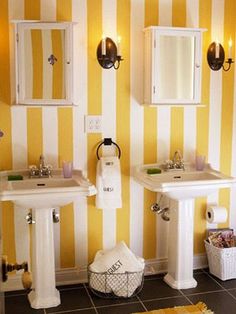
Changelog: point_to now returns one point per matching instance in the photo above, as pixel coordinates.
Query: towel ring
(108, 141)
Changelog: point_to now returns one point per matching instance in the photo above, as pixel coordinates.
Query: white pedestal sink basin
(182, 186)
(42, 195)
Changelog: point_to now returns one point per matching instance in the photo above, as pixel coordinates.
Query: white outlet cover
(93, 124)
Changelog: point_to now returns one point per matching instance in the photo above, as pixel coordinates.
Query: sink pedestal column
(44, 293)
(180, 249)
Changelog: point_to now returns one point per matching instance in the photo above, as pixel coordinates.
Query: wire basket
(118, 285)
(222, 261)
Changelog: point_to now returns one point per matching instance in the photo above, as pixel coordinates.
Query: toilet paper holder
(216, 214)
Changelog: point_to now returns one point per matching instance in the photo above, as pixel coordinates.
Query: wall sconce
(216, 56)
(108, 54)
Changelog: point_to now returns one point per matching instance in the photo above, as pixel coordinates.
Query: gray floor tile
(72, 300)
(165, 303)
(19, 305)
(154, 289)
(204, 283)
(122, 309)
(220, 302)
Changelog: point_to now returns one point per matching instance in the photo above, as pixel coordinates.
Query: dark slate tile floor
(220, 296)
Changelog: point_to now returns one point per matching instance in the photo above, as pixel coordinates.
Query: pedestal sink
(42, 195)
(182, 186)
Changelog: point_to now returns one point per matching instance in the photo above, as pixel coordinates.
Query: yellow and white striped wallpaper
(145, 134)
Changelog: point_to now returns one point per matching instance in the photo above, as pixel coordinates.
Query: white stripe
(163, 140)
(165, 12)
(48, 10)
(217, 27)
(19, 137)
(50, 135)
(79, 9)
(109, 113)
(232, 219)
(192, 16)
(136, 125)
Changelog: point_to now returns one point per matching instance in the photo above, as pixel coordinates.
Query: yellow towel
(199, 308)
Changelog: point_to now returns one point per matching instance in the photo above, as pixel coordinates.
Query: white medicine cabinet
(172, 65)
(43, 63)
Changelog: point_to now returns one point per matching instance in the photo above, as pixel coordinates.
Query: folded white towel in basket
(116, 267)
(120, 259)
(108, 183)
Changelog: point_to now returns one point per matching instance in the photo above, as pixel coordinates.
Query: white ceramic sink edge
(53, 187)
(182, 184)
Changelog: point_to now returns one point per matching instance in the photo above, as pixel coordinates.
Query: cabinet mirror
(43, 63)
(172, 66)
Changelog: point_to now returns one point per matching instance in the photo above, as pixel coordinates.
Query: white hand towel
(108, 183)
(116, 267)
(120, 259)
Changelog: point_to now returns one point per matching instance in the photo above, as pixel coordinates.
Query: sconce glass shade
(215, 63)
(108, 60)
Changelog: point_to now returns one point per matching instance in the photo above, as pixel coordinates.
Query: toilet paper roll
(216, 214)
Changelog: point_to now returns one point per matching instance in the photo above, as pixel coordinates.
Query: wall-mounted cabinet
(43, 63)
(172, 65)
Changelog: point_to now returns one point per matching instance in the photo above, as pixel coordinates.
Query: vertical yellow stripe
(7, 211)
(32, 9)
(58, 70)
(34, 135)
(123, 118)
(151, 12)
(8, 231)
(94, 20)
(205, 9)
(5, 95)
(65, 152)
(64, 10)
(37, 55)
(227, 105)
(179, 13)
(150, 152)
(5, 141)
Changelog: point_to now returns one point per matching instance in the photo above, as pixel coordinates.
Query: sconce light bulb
(217, 49)
(103, 45)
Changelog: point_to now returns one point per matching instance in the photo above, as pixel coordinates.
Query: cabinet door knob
(197, 65)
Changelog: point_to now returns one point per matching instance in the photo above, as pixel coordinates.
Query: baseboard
(76, 275)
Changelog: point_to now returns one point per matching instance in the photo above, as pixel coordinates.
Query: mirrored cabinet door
(43, 63)
(172, 65)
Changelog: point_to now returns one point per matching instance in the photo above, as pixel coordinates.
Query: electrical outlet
(93, 124)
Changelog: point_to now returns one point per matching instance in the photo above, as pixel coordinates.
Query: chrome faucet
(176, 164)
(43, 171)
